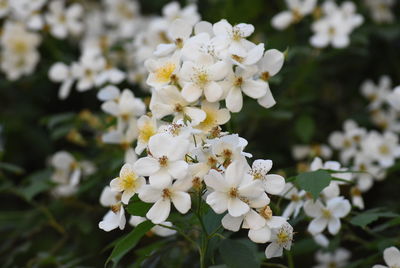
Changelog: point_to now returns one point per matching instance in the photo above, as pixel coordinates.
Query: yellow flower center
(266, 212)
(163, 161)
(383, 149)
(146, 132)
(326, 213)
(265, 76)
(164, 73)
(209, 122)
(128, 181)
(233, 192)
(19, 46)
(282, 237)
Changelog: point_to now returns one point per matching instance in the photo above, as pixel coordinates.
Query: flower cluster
(68, 172)
(333, 24)
(115, 42)
(191, 155)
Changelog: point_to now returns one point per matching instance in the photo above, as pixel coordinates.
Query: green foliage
(305, 128)
(128, 242)
(367, 217)
(314, 181)
(236, 254)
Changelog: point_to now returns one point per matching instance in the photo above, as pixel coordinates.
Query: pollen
(236, 34)
(146, 132)
(266, 212)
(237, 58)
(128, 181)
(20, 47)
(233, 192)
(238, 81)
(166, 193)
(115, 208)
(265, 76)
(164, 73)
(326, 213)
(384, 149)
(163, 161)
(202, 78)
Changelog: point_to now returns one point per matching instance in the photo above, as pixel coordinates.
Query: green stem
(290, 259)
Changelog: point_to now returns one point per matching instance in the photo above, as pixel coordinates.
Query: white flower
(19, 54)
(243, 81)
(229, 148)
(280, 239)
(381, 10)
(339, 258)
(158, 230)
(233, 190)
(179, 32)
(300, 152)
(214, 116)
(173, 11)
(202, 76)
(270, 64)
(272, 183)
(63, 21)
(392, 258)
(263, 235)
(326, 216)
(60, 72)
(234, 37)
(336, 26)
(168, 100)
(394, 98)
(382, 148)
(162, 196)
(163, 71)
(165, 160)
(67, 173)
(128, 183)
(250, 220)
(296, 198)
(348, 141)
(116, 216)
(147, 127)
(123, 105)
(377, 94)
(297, 10)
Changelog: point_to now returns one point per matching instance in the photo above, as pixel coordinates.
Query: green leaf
(369, 216)
(129, 241)
(305, 128)
(237, 255)
(38, 183)
(11, 168)
(314, 182)
(137, 207)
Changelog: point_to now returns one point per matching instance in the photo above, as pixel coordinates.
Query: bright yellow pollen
(282, 237)
(146, 132)
(128, 181)
(202, 78)
(164, 73)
